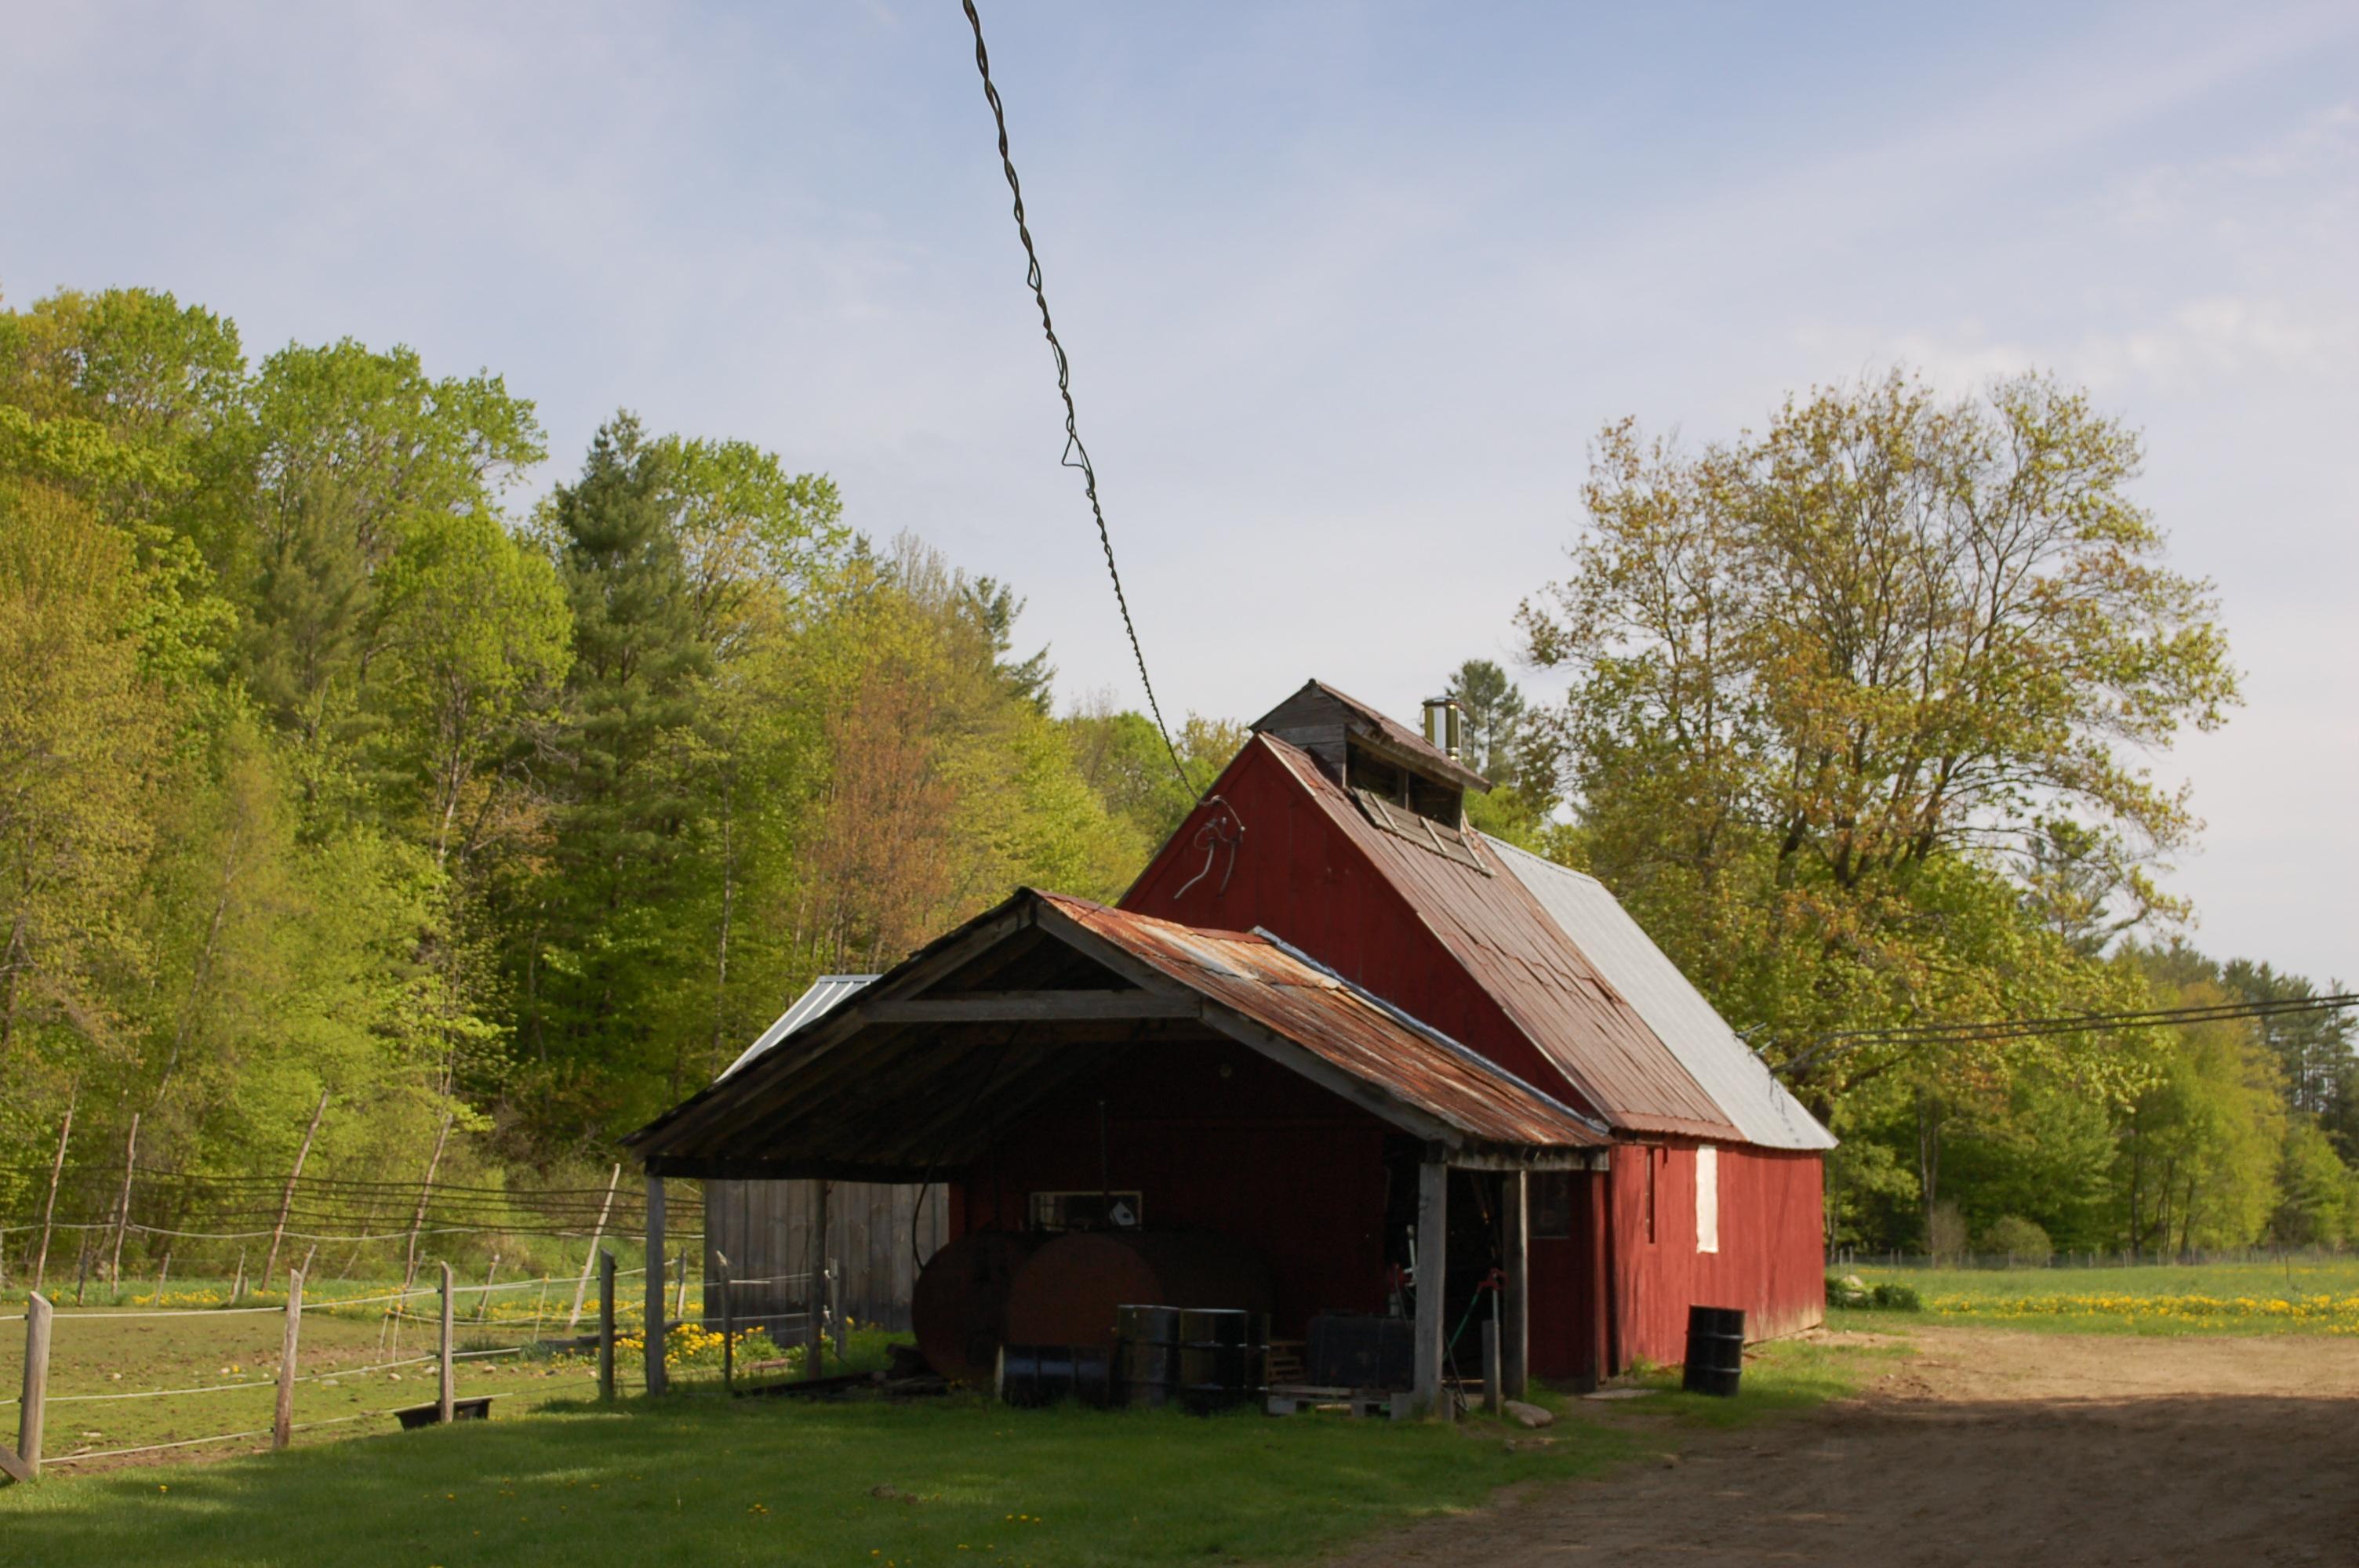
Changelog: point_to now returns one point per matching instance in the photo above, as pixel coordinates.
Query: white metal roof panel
(826, 994)
(1739, 1082)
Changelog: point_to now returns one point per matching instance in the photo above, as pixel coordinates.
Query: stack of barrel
(1103, 1318)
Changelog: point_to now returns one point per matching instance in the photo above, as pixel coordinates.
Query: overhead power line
(1076, 455)
(1836, 1041)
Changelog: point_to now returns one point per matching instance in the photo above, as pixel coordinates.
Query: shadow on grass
(712, 1480)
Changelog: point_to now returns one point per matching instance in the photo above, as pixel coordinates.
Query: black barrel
(1221, 1354)
(1147, 1354)
(1037, 1375)
(1715, 1350)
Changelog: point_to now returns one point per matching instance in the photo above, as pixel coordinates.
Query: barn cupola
(1395, 771)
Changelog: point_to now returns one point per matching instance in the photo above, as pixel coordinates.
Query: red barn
(1335, 1025)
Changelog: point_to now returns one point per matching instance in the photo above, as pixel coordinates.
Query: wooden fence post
(654, 1358)
(123, 1207)
(442, 1394)
(25, 1465)
(49, 1211)
(287, 1198)
(835, 1307)
(591, 1257)
(237, 1285)
(605, 1326)
(728, 1325)
(282, 1421)
(484, 1302)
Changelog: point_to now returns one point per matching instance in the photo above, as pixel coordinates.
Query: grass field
(700, 1477)
(2317, 1296)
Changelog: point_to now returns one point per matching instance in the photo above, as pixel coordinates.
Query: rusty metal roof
(1493, 926)
(909, 1075)
(1290, 993)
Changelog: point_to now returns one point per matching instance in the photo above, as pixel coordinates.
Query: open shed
(1223, 1082)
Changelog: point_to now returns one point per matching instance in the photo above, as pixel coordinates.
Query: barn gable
(1427, 920)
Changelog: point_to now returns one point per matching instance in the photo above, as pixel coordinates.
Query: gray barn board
(764, 1229)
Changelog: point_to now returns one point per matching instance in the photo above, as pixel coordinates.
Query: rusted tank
(1068, 1291)
(959, 1307)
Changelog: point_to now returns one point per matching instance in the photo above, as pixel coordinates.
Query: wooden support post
(728, 1320)
(1515, 1309)
(286, 1197)
(836, 1306)
(49, 1210)
(1491, 1366)
(1433, 1269)
(657, 1379)
(123, 1206)
(484, 1302)
(282, 1423)
(25, 1465)
(606, 1326)
(815, 1287)
(680, 1291)
(589, 1258)
(444, 1391)
(163, 1274)
(237, 1284)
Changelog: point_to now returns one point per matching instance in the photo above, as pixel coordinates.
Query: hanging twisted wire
(1076, 455)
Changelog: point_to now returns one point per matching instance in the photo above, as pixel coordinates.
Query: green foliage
(2017, 1239)
(321, 772)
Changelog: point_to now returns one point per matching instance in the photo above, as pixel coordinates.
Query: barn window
(1707, 1199)
(1551, 1201)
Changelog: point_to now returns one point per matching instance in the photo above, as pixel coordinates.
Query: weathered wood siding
(764, 1231)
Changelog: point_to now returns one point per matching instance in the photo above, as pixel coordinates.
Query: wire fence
(114, 1227)
(528, 1321)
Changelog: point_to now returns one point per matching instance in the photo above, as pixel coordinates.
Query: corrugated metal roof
(826, 993)
(874, 1100)
(1290, 994)
(1595, 922)
(1497, 930)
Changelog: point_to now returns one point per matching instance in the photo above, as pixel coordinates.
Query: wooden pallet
(1290, 1399)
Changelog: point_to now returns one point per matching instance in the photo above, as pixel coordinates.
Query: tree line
(330, 766)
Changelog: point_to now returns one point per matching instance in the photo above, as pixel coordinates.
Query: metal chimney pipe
(1442, 720)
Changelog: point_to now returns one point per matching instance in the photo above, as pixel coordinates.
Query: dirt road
(1987, 1446)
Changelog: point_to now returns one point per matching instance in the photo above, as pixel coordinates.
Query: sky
(1347, 287)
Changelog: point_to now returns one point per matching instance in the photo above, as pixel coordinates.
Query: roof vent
(1442, 720)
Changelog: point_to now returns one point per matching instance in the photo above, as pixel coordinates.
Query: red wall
(1771, 1260)
(1260, 1154)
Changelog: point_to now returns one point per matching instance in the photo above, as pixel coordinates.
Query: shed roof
(824, 995)
(908, 1076)
(1738, 1080)
(1498, 931)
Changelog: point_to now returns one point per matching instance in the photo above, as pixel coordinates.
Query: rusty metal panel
(1597, 924)
(1499, 933)
(1342, 1024)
